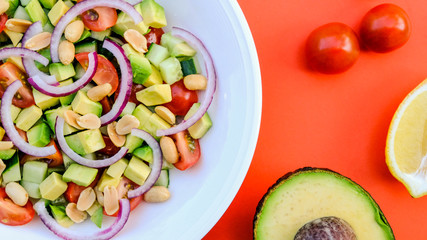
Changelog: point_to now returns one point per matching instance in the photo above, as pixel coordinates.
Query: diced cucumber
(130, 106)
(188, 67)
(86, 33)
(21, 13)
(12, 173)
(23, 3)
(67, 160)
(100, 36)
(32, 189)
(163, 179)
(156, 54)
(34, 171)
(170, 69)
(87, 47)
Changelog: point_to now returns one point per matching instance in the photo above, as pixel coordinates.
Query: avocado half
(311, 193)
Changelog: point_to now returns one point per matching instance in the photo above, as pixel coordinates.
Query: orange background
(334, 121)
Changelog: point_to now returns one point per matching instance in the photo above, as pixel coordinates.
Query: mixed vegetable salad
(98, 103)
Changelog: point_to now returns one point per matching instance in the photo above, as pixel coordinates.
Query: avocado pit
(326, 228)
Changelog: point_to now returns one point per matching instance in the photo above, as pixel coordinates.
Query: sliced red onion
(81, 7)
(59, 129)
(59, 91)
(125, 82)
(210, 88)
(9, 127)
(24, 53)
(68, 234)
(29, 65)
(156, 166)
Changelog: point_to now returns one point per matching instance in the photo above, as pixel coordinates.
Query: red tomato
(99, 19)
(110, 149)
(122, 189)
(12, 214)
(106, 105)
(332, 48)
(53, 160)
(154, 36)
(384, 28)
(188, 149)
(132, 98)
(182, 99)
(105, 73)
(3, 19)
(8, 74)
(73, 190)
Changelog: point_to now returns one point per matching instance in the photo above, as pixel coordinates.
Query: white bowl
(200, 195)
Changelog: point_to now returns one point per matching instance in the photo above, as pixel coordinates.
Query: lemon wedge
(406, 146)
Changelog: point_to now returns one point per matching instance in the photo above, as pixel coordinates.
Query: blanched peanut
(2, 166)
(74, 31)
(74, 214)
(157, 194)
(165, 114)
(38, 41)
(136, 40)
(4, 145)
(89, 121)
(99, 196)
(170, 153)
(97, 93)
(118, 140)
(17, 25)
(66, 51)
(4, 6)
(70, 117)
(17, 193)
(126, 123)
(86, 199)
(195, 82)
(111, 200)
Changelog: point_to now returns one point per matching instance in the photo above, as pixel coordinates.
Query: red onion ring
(59, 129)
(59, 91)
(67, 234)
(156, 166)
(210, 88)
(30, 66)
(125, 84)
(24, 53)
(9, 127)
(81, 7)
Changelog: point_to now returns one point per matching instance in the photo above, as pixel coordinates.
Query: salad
(98, 104)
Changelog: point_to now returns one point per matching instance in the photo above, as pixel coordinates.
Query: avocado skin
(282, 179)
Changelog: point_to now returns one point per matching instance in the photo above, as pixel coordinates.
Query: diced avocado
(33, 189)
(74, 143)
(48, 27)
(17, 61)
(107, 180)
(2, 132)
(189, 66)
(141, 68)
(58, 212)
(20, 13)
(97, 216)
(311, 193)
(48, 3)
(44, 101)
(170, 69)
(200, 128)
(125, 22)
(142, 113)
(7, 154)
(34, 171)
(24, 3)
(82, 104)
(176, 46)
(61, 71)
(80, 175)
(163, 179)
(12, 173)
(15, 37)
(52, 187)
(132, 142)
(137, 171)
(67, 160)
(28, 117)
(36, 13)
(155, 95)
(129, 50)
(116, 170)
(39, 135)
(129, 108)
(153, 14)
(100, 36)
(157, 54)
(13, 4)
(58, 10)
(145, 153)
(51, 119)
(14, 112)
(154, 78)
(154, 123)
(91, 140)
(69, 98)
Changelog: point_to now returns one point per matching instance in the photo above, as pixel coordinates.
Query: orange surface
(334, 121)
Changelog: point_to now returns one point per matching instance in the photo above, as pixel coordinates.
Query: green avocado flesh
(307, 194)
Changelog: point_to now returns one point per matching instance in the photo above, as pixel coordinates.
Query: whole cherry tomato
(332, 48)
(182, 99)
(384, 28)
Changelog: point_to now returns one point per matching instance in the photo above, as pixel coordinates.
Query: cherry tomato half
(154, 36)
(53, 160)
(8, 74)
(99, 19)
(73, 191)
(182, 99)
(12, 214)
(188, 149)
(332, 48)
(384, 28)
(105, 73)
(3, 19)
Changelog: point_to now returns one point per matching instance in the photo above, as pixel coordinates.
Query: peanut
(86, 199)
(17, 193)
(38, 41)
(17, 25)
(4, 6)
(4, 145)
(111, 200)
(118, 140)
(2, 166)
(195, 82)
(66, 51)
(165, 114)
(70, 117)
(126, 123)
(99, 196)
(89, 121)
(136, 40)
(74, 214)
(74, 31)
(97, 93)
(170, 153)
(157, 194)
